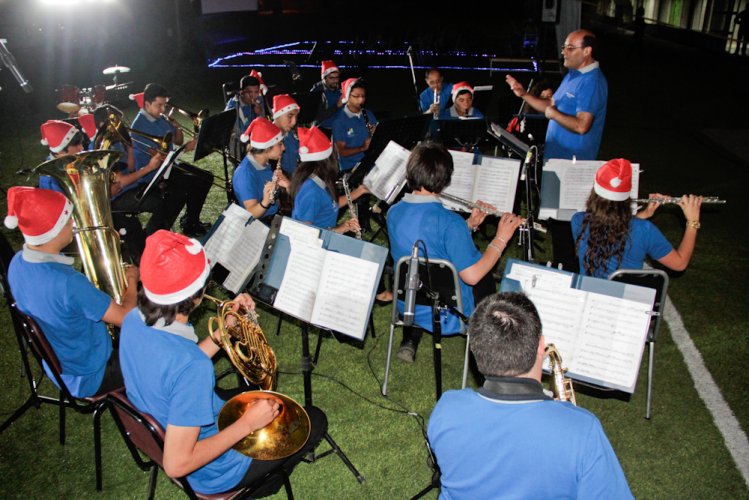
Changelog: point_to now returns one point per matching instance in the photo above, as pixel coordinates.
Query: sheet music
(461, 184)
(611, 341)
(299, 231)
(561, 313)
(496, 181)
(298, 291)
(171, 157)
(388, 172)
(534, 276)
(577, 179)
(347, 286)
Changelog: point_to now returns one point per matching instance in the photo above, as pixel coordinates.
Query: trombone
(197, 119)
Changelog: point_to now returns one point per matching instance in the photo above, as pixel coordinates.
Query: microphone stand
(409, 53)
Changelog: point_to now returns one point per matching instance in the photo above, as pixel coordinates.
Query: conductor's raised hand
(260, 412)
(507, 226)
(516, 87)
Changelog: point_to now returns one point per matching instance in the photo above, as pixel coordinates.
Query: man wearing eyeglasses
(577, 111)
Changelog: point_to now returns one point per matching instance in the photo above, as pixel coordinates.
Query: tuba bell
(561, 386)
(85, 178)
(249, 352)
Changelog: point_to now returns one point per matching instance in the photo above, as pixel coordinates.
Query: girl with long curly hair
(608, 237)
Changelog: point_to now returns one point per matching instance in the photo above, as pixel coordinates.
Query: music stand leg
(307, 371)
(229, 189)
(437, 350)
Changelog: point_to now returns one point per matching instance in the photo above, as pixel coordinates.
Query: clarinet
(351, 206)
(370, 127)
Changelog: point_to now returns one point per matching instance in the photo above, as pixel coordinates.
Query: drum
(100, 95)
(69, 99)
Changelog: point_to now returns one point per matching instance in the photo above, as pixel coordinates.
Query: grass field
(659, 102)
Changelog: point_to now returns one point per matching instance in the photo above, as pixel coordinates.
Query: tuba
(249, 352)
(561, 386)
(85, 178)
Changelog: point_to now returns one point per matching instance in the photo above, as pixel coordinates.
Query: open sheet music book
(569, 185)
(236, 244)
(388, 176)
(598, 326)
(493, 181)
(327, 288)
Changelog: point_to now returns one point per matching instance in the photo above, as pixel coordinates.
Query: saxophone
(561, 386)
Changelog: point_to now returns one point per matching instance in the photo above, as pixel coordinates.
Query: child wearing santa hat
(169, 374)
(285, 113)
(248, 102)
(70, 310)
(330, 89)
(353, 125)
(608, 217)
(462, 108)
(61, 138)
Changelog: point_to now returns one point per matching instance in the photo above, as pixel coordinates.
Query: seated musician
(434, 80)
(169, 374)
(285, 112)
(249, 105)
(353, 125)
(608, 237)
(255, 181)
(329, 86)
(62, 138)
(421, 216)
(313, 188)
(70, 310)
(462, 108)
(508, 438)
(187, 186)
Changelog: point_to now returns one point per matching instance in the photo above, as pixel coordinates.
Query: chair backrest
(649, 278)
(40, 346)
(228, 89)
(140, 430)
(440, 273)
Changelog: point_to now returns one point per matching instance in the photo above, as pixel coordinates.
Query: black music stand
(166, 166)
(482, 98)
(310, 106)
(465, 134)
(214, 137)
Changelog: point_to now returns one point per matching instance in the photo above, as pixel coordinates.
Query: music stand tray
(310, 104)
(454, 133)
(214, 133)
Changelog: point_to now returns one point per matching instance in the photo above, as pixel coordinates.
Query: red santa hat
(262, 134)
(314, 145)
(614, 180)
(282, 104)
(346, 89)
(138, 98)
(40, 214)
(57, 134)
(259, 76)
(327, 68)
(88, 123)
(460, 87)
(173, 267)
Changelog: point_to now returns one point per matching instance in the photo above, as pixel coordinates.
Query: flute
(706, 200)
(470, 204)
(436, 102)
(350, 203)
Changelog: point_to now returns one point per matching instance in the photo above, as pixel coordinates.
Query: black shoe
(407, 352)
(195, 230)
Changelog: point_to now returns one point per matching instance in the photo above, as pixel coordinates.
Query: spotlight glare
(65, 3)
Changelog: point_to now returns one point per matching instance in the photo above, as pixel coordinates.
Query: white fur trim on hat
(41, 239)
(185, 293)
(317, 156)
(611, 195)
(289, 107)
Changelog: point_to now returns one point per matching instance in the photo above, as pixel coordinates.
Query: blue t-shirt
(170, 378)
(290, 157)
(147, 124)
(426, 98)
(489, 448)
(644, 240)
(580, 91)
(314, 204)
(451, 114)
(245, 113)
(351, 129)
(249, 180)
(69, 310)
(446, 235)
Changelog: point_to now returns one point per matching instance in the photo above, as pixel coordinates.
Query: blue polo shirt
(426, 98)
(644, 240)
(168, 376)
(580, 91)
(351, 128)
(493, 448)
(290, 157)
(69, 310)
(245, 113)
(147, 124)
(446, 235)
(249, 180)
(313, 204)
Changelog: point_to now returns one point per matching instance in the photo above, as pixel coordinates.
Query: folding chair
(229, 90)
(657, 280)
(143, 434)
(444, 279)
(42, 351)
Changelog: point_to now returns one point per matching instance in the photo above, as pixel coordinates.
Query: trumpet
(706, 200)
(350, 203)
(470, 204)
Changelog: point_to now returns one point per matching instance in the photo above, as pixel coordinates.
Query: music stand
(482, 97)
(165, 167)
(464, 133)
(214, 137)
(310, 104)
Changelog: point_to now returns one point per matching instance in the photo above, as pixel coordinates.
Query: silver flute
(350, 203)
(470, 204)
(706, 200)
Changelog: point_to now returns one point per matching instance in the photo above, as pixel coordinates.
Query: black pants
(191, 184)
(113, 375)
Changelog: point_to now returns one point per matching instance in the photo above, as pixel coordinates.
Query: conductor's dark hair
(430, 167)
(433, 69)
(153, 312)
(505, 330)
(154, 90)
(591, 41)
(248, 81)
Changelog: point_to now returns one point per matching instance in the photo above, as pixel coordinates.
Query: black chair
(657, 280)
(143, 434)
(444, 279)
(229, 90)
(34, 338)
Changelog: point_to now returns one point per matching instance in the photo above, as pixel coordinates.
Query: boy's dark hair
(429, 166)
(154, 312)
(154, 90)
(248, 81)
